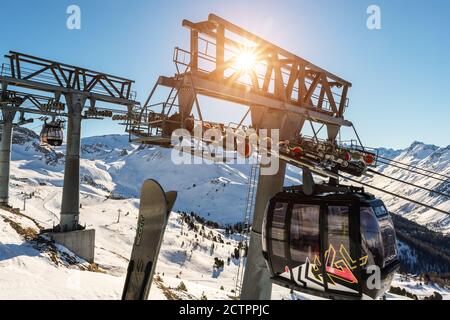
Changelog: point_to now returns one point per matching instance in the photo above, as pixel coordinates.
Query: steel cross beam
(25, 102)
(31, 72)
(215, 49)
(241, 95)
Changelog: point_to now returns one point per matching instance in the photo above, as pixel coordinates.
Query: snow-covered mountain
(112, 171)
(424, 156)
(110, 165)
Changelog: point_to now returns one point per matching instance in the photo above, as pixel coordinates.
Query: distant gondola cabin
(52, 134)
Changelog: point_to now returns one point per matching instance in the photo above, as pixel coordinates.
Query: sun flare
(246, 60)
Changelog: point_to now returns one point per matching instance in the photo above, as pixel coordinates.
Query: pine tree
(182, 287)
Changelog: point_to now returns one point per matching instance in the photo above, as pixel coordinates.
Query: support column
(5, 154)
(257, 284)
(80, 242)
(70, 206)
(186, 101)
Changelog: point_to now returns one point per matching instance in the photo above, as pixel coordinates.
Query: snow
(415, 286)
(112, 166)
(27, 273)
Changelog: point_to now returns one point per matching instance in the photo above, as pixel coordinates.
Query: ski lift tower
(77, 86)
(281, 90)
(13, 103)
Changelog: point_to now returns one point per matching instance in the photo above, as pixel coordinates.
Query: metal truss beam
(216, 45)
(26, 102)
(35, 73)
(242, 96)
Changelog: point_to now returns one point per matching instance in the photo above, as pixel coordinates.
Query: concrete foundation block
(81, 242)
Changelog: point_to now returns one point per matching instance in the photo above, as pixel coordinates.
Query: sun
(245, 60)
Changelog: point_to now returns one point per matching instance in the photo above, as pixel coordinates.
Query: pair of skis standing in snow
(155, 207)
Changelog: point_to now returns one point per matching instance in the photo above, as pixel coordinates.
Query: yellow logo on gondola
(341, 269)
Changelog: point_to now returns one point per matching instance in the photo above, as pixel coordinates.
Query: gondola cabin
(52, 134)
(334, 245)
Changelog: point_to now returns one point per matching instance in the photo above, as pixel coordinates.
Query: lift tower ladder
(248, 214)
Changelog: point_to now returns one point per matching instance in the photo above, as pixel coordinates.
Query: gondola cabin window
(278, 230)
(305, 233)
(371, 236)
(381, 211)
(338, 227)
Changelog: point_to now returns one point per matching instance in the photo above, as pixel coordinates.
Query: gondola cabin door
(341, 247)
(314, 244)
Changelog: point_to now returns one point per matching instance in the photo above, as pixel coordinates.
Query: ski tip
(151, 188)
(151, 183)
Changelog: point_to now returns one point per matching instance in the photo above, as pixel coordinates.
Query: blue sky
(400, 74)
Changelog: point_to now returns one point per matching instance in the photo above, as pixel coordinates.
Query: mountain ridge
(110, 165)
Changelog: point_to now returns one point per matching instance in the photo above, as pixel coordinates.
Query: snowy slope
(31, 270)
(112, 172)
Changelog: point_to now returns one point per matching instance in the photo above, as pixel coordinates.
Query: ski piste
(155, 207)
